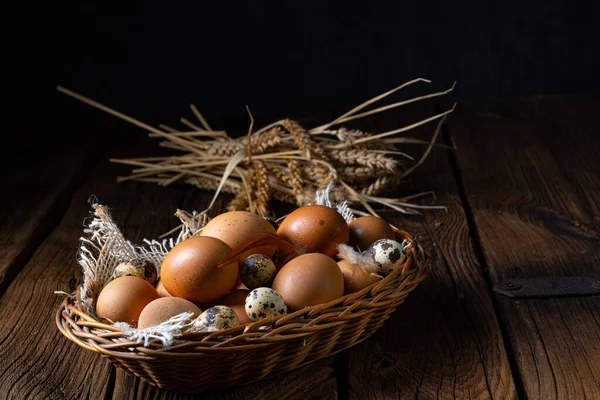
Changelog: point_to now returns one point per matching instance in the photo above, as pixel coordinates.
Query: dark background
(284, 57)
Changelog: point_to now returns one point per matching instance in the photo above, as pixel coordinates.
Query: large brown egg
(317, 229)
(165, 308)
(123, 299)
(190, 270)
(308, 280)
(237, 228)
(236, 301)
(355, 277)
(364, 231)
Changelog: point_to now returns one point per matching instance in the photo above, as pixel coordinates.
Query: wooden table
(522, 194)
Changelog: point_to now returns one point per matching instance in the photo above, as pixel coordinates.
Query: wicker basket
(247, 353)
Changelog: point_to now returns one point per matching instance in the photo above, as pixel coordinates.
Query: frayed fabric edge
(166, 333)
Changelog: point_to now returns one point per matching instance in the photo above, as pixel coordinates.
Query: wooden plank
(37, 187)
(576, 148)
(556, 345)
(528, 172)
(445, 341)
(517, 189)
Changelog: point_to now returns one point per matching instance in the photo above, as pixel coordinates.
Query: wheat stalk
(262, 188)
(284, 160)
(365, 158)
(303, 140)
(379, 185)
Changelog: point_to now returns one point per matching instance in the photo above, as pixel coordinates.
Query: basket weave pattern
(207, 360)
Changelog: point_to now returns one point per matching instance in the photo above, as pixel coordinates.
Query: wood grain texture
(529, 172)
(556, 345)
(445, 341)
(576, 147)
(519, 193)
(36, 190)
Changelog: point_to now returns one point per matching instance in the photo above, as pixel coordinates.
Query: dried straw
(284, 160)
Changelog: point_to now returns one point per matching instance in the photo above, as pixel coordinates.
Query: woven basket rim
(87, 332)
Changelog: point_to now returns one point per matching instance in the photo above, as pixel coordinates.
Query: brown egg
(364, 231)
(165, 308)
(355, 277)
(237, 228)
(308, 280)
(123, 299)
(160, 289)
(190, 270)
(236, 301)
(317, 229)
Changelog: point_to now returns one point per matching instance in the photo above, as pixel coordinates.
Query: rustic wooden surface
(521, 192)
(530, 174)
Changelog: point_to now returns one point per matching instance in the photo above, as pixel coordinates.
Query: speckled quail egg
(136, 267)
(264, 302)
(389, 254)
(215, 319)
(258, 270)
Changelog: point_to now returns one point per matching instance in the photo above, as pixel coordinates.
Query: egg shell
(160, 289)
(389, 254)
(190, 270)
(123, 299)
(355, 277)
(236, 300)
(238, 228)
(308, 280)
(257, 270)
(164, 308)
(316, 229)
(264, 302)
(216, 318)
(136, 267)
(364, 231)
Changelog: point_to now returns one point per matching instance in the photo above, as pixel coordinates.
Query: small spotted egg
(215, 319)
(258, 270)
(136, 267)
(264, 302)
(388, 254)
